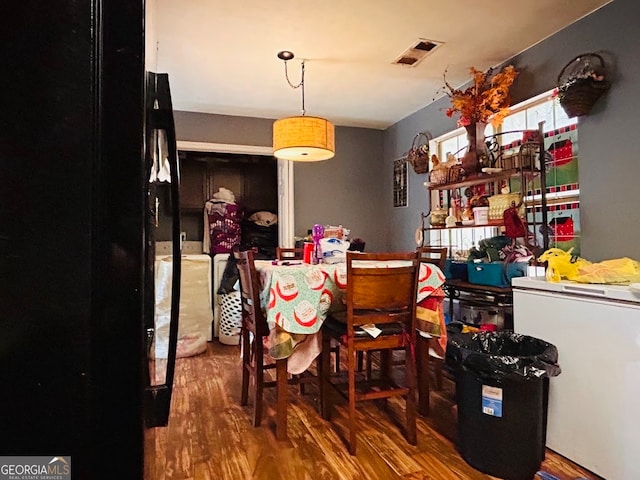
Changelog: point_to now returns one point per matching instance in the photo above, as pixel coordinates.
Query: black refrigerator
(76, 235)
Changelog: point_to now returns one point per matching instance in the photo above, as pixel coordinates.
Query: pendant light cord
(301, 84)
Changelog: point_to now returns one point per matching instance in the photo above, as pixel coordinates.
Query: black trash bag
(264, 238)
(229, 277)
(502, 355)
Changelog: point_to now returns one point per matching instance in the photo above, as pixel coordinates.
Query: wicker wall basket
(581, 83)
(418, 154)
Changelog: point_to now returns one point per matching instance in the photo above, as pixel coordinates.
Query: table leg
(324, 374)
(281, 399)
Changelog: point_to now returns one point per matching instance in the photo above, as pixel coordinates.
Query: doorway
(284, 178)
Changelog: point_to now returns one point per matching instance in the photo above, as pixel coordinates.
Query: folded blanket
(430, 317)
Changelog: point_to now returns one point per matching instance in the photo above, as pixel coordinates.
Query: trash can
(502, 388)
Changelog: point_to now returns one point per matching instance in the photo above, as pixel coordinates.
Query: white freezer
(219, 264)
(594, 404)
(196, 313)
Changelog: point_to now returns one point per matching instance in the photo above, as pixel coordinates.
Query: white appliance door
(593, 404)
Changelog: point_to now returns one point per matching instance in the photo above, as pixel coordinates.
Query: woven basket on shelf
(500, 202)
(581, 83)
(418, 154)
(455, 173)
(439, 172)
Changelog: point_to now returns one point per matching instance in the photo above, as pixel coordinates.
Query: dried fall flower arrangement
(488, 97)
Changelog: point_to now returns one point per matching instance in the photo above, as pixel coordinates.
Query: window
(562, 188)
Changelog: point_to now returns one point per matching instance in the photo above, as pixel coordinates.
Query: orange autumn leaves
(487, 99)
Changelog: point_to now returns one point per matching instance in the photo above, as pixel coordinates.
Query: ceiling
(221, 55)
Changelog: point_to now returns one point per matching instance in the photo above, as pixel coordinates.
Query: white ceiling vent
(416, 53)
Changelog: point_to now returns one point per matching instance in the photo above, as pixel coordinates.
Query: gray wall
(203, 127)
(609, 143)
(350, 189)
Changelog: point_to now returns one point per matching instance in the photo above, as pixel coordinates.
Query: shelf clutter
(495, 197)
(482, 219)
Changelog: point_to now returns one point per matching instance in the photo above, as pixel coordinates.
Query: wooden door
(192, 178)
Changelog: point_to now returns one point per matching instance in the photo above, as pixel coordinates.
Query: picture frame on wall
(400, 183)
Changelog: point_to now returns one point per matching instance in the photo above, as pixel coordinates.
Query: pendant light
(302, 138)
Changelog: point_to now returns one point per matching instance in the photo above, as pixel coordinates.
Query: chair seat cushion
(337, 327)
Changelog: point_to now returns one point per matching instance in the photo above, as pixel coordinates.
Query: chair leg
(369, 363)
(360, 361)
(385, 367)
(302, 386)
(422, 364)
(281, 399)
(246, 362)
(410, 367)
(352, 400)
(386, 364)
(319, 378)
(336, 350)
(437, 370)
(258, 362)
(324, 374)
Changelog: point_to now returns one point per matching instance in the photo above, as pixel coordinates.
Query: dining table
(297, 297)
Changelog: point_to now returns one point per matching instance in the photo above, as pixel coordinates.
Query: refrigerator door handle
(158, 397)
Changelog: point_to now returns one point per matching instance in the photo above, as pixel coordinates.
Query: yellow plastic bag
(618, 270)
(562, 265)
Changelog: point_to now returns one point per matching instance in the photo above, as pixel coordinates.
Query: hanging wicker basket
(581, 83)
(418, 154)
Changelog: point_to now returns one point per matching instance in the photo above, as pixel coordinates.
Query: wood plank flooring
(210, 436)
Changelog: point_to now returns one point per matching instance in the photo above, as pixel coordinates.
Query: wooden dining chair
(283, 253)
(386, 298)
(435, 255)
(254, 324)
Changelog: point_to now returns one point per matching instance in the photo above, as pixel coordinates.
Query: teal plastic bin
(454, 270)
(495, 274)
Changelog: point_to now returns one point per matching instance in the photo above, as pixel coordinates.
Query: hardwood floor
(210, 436)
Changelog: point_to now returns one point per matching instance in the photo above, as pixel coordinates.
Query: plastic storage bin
(455, 270)
(502, 388)
(495, 274)
(479, 314)
(481, 215)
